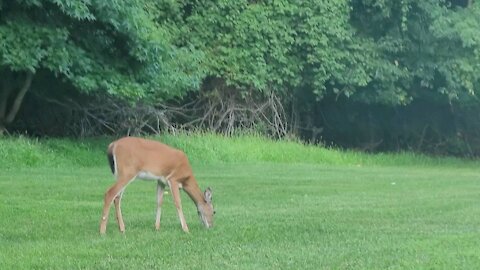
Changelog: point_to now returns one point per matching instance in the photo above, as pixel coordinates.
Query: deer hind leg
(118, 211)
(113, 193)
(178, 204)
(160, 189)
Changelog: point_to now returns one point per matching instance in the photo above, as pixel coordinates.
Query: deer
(133, 158)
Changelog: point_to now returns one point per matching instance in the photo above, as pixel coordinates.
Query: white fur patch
(146, 175)
(115, 168)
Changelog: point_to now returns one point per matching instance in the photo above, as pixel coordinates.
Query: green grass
(208, 148)
(340, 210)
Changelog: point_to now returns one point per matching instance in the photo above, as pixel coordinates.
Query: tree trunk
(19, 98)
(8, 113)
(3, 130)
(4, 94)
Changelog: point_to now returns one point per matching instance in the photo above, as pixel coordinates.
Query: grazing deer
(132, 158)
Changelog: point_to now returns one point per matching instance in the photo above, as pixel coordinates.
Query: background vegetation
(365, 74)
(207, 149)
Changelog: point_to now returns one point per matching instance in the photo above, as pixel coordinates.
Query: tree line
(368, 74)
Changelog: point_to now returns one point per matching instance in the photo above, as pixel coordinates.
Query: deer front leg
(160, 189)
(178, 204)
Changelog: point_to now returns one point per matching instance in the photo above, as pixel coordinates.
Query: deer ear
(208, 195)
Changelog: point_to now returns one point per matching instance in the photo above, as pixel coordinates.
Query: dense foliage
(93, 47)
(370, 74)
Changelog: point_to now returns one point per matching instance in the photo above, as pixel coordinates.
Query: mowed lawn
(269, 216)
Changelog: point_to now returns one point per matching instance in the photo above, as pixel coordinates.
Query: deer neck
(194, 192)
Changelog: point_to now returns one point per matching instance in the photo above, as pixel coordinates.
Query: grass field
(270, 215)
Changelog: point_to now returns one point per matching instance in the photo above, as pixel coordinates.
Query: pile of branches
(225, 112)
(229, 112)
(105, 116)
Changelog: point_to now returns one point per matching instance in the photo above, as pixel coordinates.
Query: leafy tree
(434, 43)
(95, 46)
(299, 50)
(347, 68)
(434, 47)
